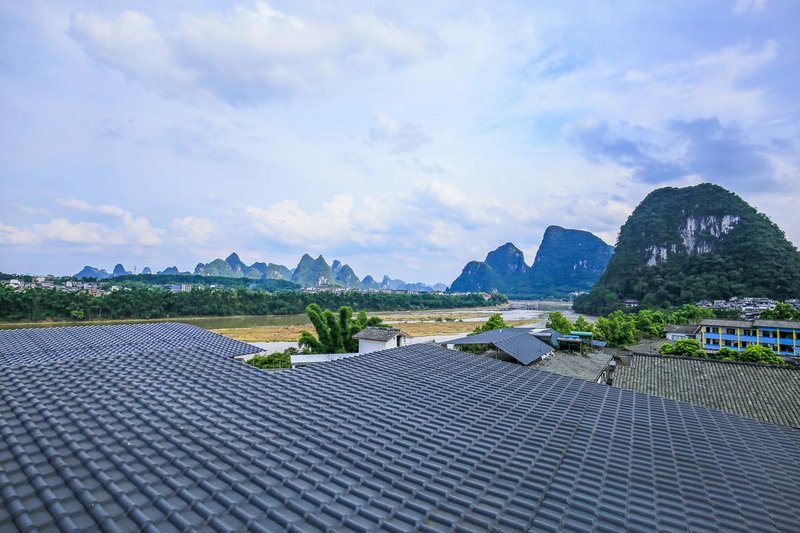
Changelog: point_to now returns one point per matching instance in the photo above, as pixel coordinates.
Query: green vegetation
(751, 256)
(274, 360)
(149, 280)
(334, 333)
(759, 354)
(752, 354)
(686, 348)
(495, 322)
(623, 329)
(145, 302)
(560, 323)
(782, 311)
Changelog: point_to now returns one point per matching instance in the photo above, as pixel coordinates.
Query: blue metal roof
(414, 438)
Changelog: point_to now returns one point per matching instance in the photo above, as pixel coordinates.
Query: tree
(618, 328)
(559, 322)
(495, 322)
(334, 333)
(782, 311)
(759, 354)
(684, 347)
(581, 324)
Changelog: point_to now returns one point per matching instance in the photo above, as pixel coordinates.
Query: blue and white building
(781, 336)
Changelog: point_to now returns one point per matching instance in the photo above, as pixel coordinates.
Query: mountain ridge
(567, 261)
(309, 272)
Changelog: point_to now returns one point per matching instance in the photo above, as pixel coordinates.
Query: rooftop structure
(519, 343)
(588, 366)
(373, 339)
(415, 438)
(761, 392)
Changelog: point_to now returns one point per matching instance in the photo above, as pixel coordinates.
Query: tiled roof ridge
(722, 361)
(56, 325)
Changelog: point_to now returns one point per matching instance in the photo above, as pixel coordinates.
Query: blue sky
(404, 138)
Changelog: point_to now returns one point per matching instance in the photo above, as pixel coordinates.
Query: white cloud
(246, 54)
(132, 229)
(12, 235)
(743, 6)
(194, 230)
(400, 137)
(286, 222)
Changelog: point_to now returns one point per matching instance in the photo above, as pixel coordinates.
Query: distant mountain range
(567, 261)
(309, 272)
(688, 244)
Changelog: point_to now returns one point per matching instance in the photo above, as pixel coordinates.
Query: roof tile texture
(762, 392)
(414, 438)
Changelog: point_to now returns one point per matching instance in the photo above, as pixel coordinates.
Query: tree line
(37, 304)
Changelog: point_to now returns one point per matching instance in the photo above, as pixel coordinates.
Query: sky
(403, 138)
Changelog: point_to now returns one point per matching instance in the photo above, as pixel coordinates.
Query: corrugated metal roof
(414, 438)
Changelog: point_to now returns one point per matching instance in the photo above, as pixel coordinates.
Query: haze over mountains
(679, 245)
(309, 272)
(567, 261)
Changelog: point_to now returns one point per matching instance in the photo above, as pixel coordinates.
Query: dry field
(290, 333)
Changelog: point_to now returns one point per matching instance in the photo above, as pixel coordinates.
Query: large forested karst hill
(683, 245)
(568, 260)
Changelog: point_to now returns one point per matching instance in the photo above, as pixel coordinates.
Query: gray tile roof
(414, 438)
(761, 392)
(519, 343)
(714, 322)
(39, 345)
(791, 324)
(587, 366)
(378, 334)
(682, 329)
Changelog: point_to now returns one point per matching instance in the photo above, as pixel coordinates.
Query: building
(372, 339)
(770, 393)
(416, 438)
(781, 336)
(676, 332)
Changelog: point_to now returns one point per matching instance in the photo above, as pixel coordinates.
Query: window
(730, 331)
(744, 344)
(729, 343)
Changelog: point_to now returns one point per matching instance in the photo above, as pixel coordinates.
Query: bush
(684, 347)
(273, 360)
(759, 354)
